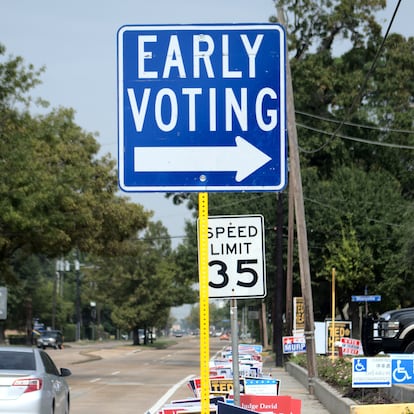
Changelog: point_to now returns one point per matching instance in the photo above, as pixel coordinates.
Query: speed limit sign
(236, 257)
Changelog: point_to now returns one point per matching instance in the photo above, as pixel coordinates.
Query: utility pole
(289, 271)
(296, 182)
(78, 298)
(278, 313)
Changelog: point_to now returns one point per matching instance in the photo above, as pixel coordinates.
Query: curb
(331, 399)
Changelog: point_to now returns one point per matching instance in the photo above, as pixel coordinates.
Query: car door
(58, 384)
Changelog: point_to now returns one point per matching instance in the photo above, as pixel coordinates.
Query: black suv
(391, 332)
(52, 339)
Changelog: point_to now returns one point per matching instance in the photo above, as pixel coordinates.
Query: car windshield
(15, 360)
(50, 334)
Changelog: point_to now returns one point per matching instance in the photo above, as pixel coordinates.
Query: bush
(69, 332)
(17, 339)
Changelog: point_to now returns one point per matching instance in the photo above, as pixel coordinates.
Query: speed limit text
(220, 244)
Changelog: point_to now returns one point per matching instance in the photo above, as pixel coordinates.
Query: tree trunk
(135, 336)
(2, 335)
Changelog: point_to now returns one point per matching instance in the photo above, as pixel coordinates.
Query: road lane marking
(157, 406)
(95, 380)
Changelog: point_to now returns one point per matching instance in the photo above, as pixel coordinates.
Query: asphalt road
(116, 377)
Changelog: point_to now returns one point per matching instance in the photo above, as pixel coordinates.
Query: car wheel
(409, 349)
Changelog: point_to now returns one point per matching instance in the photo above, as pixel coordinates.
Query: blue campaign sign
(202, 108)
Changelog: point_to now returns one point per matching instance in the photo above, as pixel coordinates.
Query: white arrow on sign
(244, 158)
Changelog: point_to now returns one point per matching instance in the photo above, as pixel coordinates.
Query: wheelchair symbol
(360, 366)
(400, 374)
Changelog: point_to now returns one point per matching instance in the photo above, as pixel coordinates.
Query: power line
(365, 141)
(325, 205)
(360, 94)
(353, 124)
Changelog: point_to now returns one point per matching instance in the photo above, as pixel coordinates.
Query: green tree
(141, 284)
(354, 98)
(55, 193)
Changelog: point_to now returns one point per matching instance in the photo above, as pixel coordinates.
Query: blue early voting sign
(202, 108)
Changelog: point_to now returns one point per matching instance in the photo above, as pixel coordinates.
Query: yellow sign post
(204, 310)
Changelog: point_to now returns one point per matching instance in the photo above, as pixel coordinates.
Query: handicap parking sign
(359, 365)
(371, 372)
(403, 369)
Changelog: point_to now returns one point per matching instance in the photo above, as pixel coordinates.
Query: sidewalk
(290, 386)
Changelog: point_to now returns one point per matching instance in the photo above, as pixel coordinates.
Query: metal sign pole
(235, 352)
(204, 311)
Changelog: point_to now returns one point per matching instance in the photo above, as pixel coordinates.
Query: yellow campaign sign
(223, 386)
(298, 314)
(343, 329)
(382, 408)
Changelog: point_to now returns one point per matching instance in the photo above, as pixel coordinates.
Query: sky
(76, 42)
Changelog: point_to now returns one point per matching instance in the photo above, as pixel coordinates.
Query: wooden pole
(296, 182)
(333, 315)
(278, 321)
(289, 271)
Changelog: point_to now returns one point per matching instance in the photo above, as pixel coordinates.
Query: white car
(30, 382)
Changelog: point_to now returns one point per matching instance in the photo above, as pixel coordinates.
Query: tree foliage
(56, 196)
(141, 284)
(354, 97)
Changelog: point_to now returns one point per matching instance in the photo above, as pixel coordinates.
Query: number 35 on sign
(236, 257)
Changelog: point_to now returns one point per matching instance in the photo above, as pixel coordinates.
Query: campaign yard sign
(283, 404)
(350, 346)
(292, 344)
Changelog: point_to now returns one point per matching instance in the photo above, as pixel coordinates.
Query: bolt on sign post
(202, 108)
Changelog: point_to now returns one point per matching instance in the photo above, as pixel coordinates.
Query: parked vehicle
(151, 336)
(390, 332)
(52, 339)
(30, 382)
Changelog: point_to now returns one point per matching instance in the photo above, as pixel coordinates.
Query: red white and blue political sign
(293, 344)
(202, 108)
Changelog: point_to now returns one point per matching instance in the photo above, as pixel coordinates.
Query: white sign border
(263, 262)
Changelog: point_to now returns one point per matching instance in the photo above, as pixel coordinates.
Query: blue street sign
(202, 108)
(366, 298)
